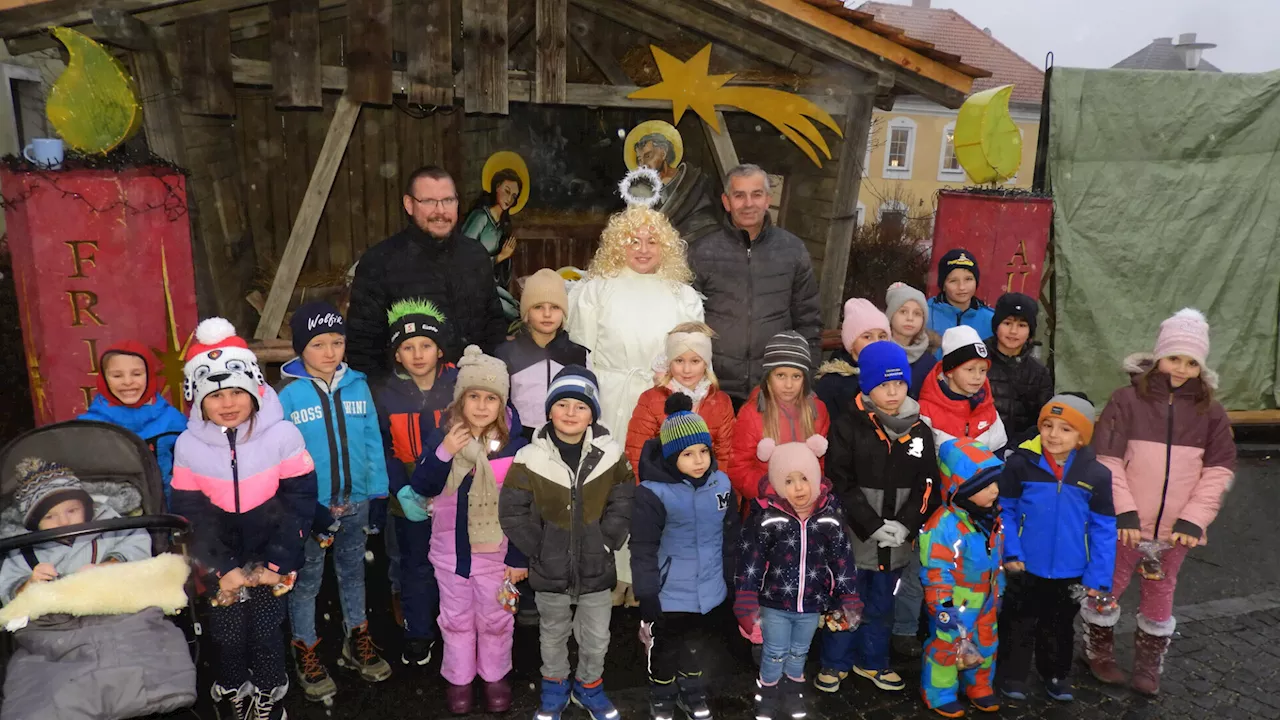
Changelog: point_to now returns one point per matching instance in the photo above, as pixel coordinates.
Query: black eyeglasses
(433, 203)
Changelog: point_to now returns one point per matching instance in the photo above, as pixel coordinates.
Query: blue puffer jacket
(681, 534)
(943, 316)
(340, 426)
(158, 423)
(1060, 529)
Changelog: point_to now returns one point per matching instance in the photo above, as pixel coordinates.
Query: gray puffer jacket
(753, 291)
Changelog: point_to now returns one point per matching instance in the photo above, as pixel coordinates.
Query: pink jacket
(1171, 463)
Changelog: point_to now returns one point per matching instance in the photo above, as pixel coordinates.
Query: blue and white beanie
(579, 383)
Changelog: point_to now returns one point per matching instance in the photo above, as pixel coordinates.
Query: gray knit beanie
(788, 349)
(42, 484)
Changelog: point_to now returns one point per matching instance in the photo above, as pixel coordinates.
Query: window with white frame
(862, 213)
(899, 148)
(949, 169)
(866, 160)
(892, 207)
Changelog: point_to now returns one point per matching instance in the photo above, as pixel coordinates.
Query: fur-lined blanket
(113, 589)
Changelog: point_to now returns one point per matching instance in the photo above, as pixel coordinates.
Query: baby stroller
(112, 661)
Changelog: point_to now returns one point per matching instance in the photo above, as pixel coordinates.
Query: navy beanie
(957, 259)
(1015, 305)
(881, 362)
(315, 318)
(579, 383)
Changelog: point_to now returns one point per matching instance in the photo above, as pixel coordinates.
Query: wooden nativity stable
(298, 120)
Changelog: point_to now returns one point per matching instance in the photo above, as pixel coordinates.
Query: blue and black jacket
(1060, 528)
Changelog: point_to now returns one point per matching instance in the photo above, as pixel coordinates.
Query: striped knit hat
(579, 383)
(42, 484)
(788, 349)
(683, 427)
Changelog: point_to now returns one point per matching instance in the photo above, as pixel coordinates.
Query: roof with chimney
(1163, 54)
(950, 32)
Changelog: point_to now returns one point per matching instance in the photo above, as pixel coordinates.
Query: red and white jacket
(952, 418)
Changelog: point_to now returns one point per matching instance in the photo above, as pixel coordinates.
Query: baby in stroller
(88, 612)
(50, 496)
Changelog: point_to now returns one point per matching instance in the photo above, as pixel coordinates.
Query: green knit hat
(415, 318)
(683, 428)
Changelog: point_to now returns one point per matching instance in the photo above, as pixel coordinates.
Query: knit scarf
(482, 502)
(698, 393)
(895, 426)
(918, 347)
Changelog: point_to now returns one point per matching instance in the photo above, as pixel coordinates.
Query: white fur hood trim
(112, 589)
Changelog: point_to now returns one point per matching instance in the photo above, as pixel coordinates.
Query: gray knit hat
(788, 349)
(899, 294)
(42, 485)
(477, 370)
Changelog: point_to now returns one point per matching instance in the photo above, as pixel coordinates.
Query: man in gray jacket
(758, 281)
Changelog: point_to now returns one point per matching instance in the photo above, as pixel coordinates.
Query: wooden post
(430, 66)
(204, 60)
(596, 47)
(520, 22)
(308, 218)
(844, 206)
(295, 53)
(551, 76)
(161, 121)
(369, 56)
(722, 150)
(484, 53)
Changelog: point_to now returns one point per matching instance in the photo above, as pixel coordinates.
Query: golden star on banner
(688, 85)
(171, 357)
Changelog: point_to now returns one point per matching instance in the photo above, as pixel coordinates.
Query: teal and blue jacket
(339, 424)
(943, 316)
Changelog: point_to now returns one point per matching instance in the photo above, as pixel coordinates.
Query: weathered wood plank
(520, 22)
(335, 145)
(161, 120)
(430, 65)
(204, 61)
(596, 47)
(724, 155)
(251, 121)
(551, 74)
(295, 53)
(484, 51)
(844, 211)
(375, 186)
(369, 54)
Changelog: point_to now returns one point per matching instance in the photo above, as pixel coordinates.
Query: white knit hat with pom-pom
(219, 359)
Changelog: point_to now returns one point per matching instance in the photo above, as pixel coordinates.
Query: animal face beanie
(217, 360)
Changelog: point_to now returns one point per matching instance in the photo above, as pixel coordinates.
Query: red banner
(1007, 234)
(98, 257)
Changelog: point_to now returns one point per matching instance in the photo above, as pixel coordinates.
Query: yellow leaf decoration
(688, 86)
(988, 142)
(93, 104)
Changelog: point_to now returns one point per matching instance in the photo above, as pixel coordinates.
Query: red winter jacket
(952, 419)
(745, 469)
(646, 420)
(1170, 462)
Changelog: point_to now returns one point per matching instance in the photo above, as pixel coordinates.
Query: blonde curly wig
(611, 255)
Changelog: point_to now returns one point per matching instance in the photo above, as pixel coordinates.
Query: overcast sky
(1100, 33)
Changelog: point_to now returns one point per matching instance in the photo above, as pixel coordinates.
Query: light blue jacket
(944, 316)
(340, 426)
(158, 423)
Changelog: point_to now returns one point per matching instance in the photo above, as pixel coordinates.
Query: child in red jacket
(688, 371)
(956, 398)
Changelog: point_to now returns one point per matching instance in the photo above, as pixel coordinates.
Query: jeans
(906, 606)
(348, 563)
(787, 636)
(868, 646)
(589, 625)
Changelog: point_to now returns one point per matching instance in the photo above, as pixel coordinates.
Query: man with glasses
(429, 260)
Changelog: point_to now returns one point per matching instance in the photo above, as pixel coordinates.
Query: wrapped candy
(967, 655)
(839, 620)
(1104, 604)
(509, 597)
(1151, 566)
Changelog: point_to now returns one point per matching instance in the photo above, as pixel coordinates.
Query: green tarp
(1167, 195)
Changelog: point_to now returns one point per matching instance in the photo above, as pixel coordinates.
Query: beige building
(910, 156)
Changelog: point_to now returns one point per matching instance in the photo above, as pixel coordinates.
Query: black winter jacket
(1020, 386)
(455, 273)
(753, 291)
(879, 479)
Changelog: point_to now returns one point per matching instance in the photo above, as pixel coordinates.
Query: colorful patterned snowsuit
(961, 563)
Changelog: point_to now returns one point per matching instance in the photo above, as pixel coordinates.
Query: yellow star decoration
(39, 392)
(688, 85)
(170, 358)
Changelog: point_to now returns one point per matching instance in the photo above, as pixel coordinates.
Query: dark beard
(433, 235)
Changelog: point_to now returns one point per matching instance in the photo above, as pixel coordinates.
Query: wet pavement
(1224, 661)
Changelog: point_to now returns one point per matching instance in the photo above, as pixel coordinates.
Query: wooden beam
(161, 120)
(552, 71)
(120, 28)
(521, 20)
(484, 51)
(594, 46)
(844, 206)
(295, 53)
(257, 73)
(430, 66)
(855, 46)
(308, 217)
(722, 151)
(36, 17)
(153, 12)
(368, 58)
(204, 62)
